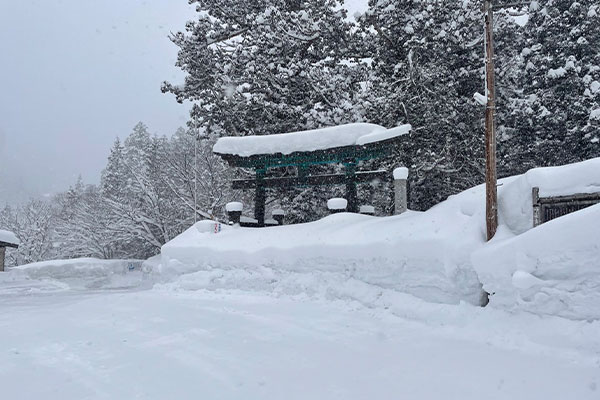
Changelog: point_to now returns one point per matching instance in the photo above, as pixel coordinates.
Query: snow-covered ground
(167, 343)
(348, 307)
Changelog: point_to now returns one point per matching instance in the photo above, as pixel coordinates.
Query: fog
(74, 75)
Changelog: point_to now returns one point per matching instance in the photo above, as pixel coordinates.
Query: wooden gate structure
(549, 208)
(347, 145)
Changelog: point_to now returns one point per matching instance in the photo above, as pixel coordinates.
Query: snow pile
(8, 237)
(555, 268)
(82, 273)
(337, 203)
(424, 254)
(439, 255)
(367, 209)
(312, 140)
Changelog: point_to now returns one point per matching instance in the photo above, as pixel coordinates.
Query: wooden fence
(549, 208)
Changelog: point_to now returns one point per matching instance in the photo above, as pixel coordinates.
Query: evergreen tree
(551, 117)
(266, 66)
(427, 64)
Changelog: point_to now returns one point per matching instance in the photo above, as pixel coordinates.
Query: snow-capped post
(7, 239)
(367, 209)
(400, 190)
(278, 215)
(234, 211)
(337, 205)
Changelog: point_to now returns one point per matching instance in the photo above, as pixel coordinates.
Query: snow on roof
(384, 135)
(312, 140)
(8, 237)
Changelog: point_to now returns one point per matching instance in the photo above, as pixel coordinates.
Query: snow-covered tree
(427, 63)
(551, 115)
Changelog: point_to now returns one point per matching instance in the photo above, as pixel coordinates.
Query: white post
(400, 187)
(337, 205)
(234, 212)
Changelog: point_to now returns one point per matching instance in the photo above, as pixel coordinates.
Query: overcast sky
(75, 74)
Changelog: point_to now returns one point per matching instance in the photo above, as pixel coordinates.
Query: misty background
(75, 74)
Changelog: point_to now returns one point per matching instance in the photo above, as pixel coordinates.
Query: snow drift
(554, 268)
(77, 273)
(439, 255)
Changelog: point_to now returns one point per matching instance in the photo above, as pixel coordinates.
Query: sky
(74, 75)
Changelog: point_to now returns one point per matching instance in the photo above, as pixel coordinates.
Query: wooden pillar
(2, 255)
(351, 194)
(260, 198)
(491, 195)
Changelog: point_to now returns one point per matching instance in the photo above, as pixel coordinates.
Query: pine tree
(267, 66)
(427, 64)
(551, 118)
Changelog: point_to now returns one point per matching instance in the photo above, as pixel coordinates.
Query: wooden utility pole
(491, 193)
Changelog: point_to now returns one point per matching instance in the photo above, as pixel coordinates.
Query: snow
(278, 211)
(8, 237)
(350, 306)
(337, 204)
(595, 114)
(234, 206)
(521, 20)
(400, 173)
(346, 341)
(384, 135)
(439, 255)
(366, 209)
(312, 140)
(480, 99)
(78, 273)
(553, 269)
(557, 73)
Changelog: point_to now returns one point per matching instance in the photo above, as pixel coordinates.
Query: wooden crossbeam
(311, 180)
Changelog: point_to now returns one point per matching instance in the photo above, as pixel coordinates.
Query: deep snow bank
(551, 269)
(423, 254)
(439, 255)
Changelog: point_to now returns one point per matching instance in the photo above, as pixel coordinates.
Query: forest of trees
(271, 66)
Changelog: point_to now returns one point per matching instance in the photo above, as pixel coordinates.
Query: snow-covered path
(165, 344)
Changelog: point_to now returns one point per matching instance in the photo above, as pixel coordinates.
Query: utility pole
(196, 139)
(491, 192)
